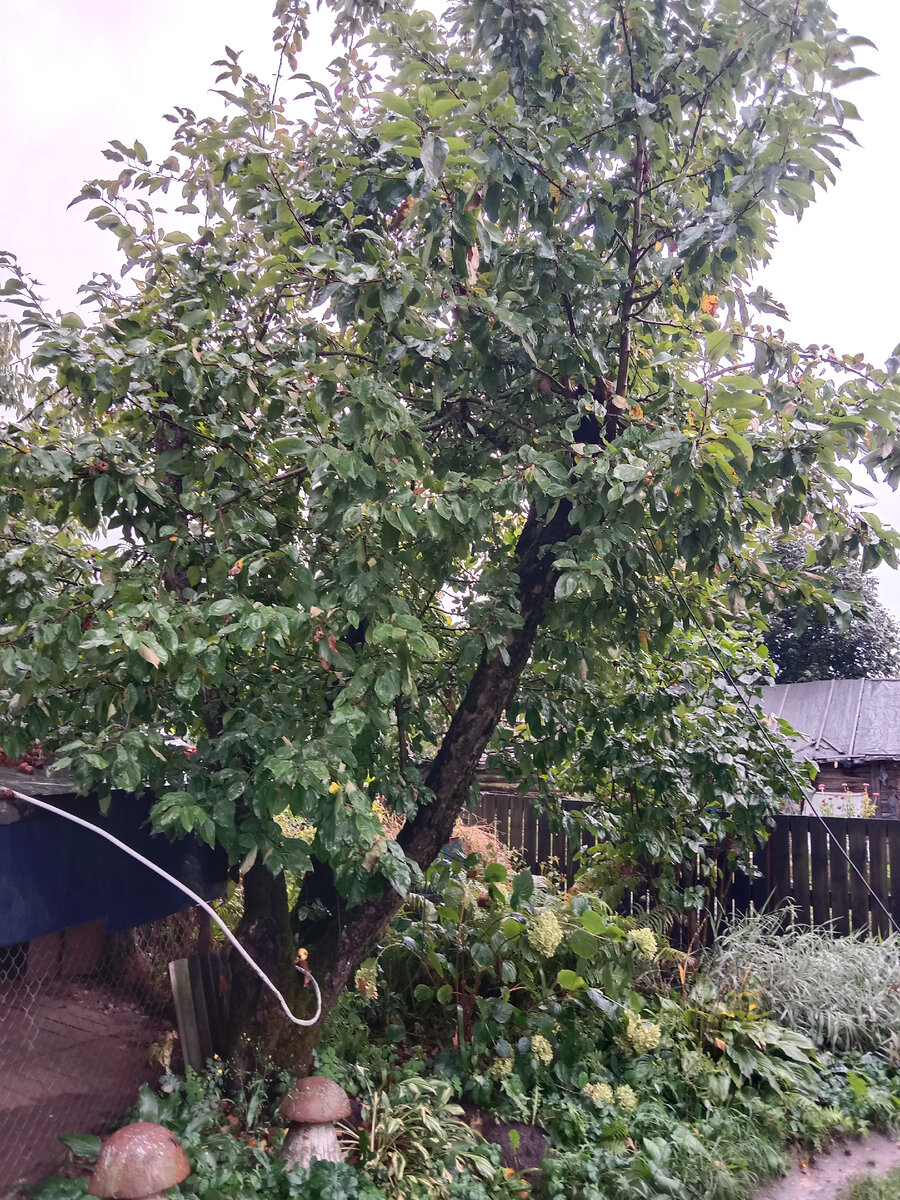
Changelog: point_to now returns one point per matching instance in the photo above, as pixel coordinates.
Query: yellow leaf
(334, 787)
(148, 655)
(644, 638)
(161, 757)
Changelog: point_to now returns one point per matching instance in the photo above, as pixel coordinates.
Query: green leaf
(523, 887)
(433, 155)
(718, 343)
(82, 1145)
(582, 944)
(569, 981)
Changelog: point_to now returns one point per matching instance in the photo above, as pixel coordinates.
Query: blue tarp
(54, 874)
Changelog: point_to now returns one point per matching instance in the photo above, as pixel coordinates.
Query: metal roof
(840, 719)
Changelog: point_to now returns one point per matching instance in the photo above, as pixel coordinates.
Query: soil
(532, 1147)
(829, 1174)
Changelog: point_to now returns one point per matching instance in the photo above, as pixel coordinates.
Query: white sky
(76, 73)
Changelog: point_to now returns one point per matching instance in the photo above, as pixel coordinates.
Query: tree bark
(255, 1018)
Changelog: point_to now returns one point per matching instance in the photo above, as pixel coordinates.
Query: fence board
(840, 882)
(800, 885)
(501, 809)
(894, 863)
(529, 841)
(878, 877)
(487, 809)
(819, 880)
(780, 849)
(859, 896)
(760, 887)
(517, 806)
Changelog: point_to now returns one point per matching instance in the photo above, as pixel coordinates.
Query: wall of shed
(882, 779)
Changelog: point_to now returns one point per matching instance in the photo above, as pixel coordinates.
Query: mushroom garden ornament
(139, 1162)
(311, 1107)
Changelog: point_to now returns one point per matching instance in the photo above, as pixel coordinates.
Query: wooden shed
(850, 728)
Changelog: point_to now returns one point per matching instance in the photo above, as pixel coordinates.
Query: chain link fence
(85, 1018)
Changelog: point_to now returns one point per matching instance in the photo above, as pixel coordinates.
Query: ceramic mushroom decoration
(311, 1107)
(139, 1162)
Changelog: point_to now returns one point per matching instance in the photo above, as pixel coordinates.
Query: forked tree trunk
(256, 1019)
(339, 943)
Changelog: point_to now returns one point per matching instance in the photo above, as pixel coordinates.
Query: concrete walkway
(829, 1174)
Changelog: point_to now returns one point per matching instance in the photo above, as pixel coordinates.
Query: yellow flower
(600, 1093)
(641, 1035)
(500, 1068)
(334, 787)
(645, 942)
(626, 1098)
(545, 933)
(541, 1049)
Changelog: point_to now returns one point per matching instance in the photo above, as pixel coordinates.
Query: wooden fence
(801, 863)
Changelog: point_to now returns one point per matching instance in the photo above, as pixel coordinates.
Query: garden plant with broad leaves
(430, 384)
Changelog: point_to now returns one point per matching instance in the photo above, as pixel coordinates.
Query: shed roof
(840, 719)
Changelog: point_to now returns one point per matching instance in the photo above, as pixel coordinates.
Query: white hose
(198, 900)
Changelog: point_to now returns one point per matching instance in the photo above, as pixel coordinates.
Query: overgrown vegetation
(436, 387)
(510, 1035)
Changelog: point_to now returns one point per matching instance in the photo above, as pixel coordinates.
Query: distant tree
(853, 637)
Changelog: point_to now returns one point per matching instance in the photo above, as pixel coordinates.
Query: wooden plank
(780, 852)
(544, 839)
(838, 871)
(201, 1011)
(878, 875)
(188, 1033)
(859, 896)
(818, 871)
(209, 973)
(488, 808)
(893, 832)
(800, 883)
(760, 887)
(501, 817)
(529, 841)
(740, 893)
(517, 807)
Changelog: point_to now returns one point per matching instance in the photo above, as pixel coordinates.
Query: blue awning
(55, 874)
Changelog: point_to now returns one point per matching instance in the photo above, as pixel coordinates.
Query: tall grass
(843, 992)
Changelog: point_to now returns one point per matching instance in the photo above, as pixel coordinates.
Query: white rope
(198, 900)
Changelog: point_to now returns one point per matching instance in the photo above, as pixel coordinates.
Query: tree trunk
(256, 1018)
(338, 945)
(339, 942)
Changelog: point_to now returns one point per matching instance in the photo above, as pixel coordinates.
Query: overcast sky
(76, 73)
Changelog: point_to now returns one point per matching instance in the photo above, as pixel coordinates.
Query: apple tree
(425, 385)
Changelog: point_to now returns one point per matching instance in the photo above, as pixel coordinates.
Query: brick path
(72, 1057)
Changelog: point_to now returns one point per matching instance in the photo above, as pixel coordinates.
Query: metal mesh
(85, 1018)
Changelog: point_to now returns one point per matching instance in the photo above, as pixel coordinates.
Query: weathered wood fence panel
(802, 863)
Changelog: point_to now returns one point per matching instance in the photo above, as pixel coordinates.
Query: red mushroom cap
(138, 1160)
(314, 1101)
